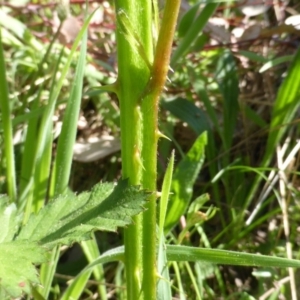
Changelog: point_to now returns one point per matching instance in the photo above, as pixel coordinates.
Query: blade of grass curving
(193, 32)
(183, 181)
(181, 290)
(193, 281)
(91, 251)
(76, 287)
(163, 285)
(275, 62)
(286, 104)
(64, 156)
(113, 255)
(165, 193)
(7, 129)
(217, 256)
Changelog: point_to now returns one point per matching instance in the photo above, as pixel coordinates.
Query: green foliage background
(234, 190)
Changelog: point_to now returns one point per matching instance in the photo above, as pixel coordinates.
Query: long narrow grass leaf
(194, 31)
(165, 193)
(91, 251)
(77, 286)
(7, 129)
(275, 62)
(228, 82)
(224, 257)
(184, 178)
(163, 285)
(67, 137)
(188, 112)
(286, 104)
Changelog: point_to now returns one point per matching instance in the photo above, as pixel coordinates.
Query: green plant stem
(164, 47)
(150, 138)
(133, 22)
(139, 89)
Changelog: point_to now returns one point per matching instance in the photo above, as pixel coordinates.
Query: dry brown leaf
(69, 30)
(217, 29)
(251, 33)
(93, 150)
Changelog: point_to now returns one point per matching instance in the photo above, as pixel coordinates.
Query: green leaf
(194, 30)
(72, 218)
(229, 85)
(8, 220)
(188, 112)
(183, 181)
(253, 56)
(224, 257)
(17, 271)
(275, 62)
(187, 20)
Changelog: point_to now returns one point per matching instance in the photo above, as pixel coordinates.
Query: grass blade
(217, 256)
(193, 32)
(229, 85)
(286, 104)
(183, 181)
(285, 107)
(7, 129)
(91, 251)
(163, 285)
(165, 193)
(62, 166)
(188, 112)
